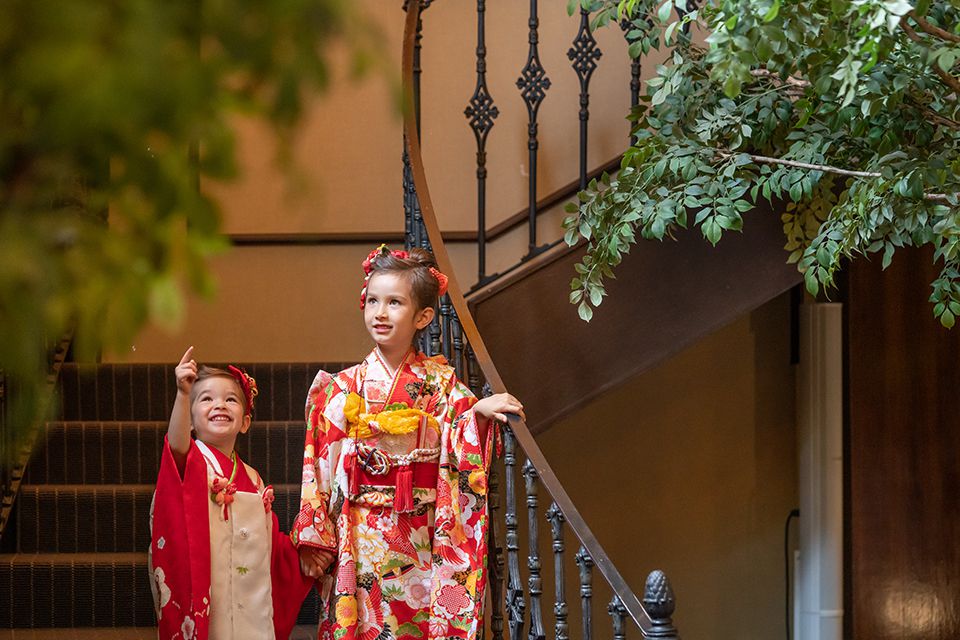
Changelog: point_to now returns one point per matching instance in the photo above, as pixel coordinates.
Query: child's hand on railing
(497, 406)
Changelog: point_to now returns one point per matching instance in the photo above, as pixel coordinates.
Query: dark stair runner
(74, 554)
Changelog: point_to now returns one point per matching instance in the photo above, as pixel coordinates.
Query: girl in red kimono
(393, 510)
(221, 568)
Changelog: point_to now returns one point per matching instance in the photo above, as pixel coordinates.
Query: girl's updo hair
(415, 269)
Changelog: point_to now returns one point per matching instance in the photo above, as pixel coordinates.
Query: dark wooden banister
(523, 436)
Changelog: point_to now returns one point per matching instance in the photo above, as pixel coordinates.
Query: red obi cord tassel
(354, 471)
(403, 498)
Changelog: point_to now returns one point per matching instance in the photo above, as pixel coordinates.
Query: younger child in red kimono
(221, 568)
(393, 512)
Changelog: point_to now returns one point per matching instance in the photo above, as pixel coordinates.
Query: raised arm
(178, 431)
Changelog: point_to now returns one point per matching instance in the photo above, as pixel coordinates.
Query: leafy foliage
(112, 111)
(848, 111)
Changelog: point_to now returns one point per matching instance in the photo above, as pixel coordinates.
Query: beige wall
(299, 303)
(690, 468)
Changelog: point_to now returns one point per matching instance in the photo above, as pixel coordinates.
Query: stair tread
(128, 557)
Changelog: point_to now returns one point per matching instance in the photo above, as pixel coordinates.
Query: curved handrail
(522, 434)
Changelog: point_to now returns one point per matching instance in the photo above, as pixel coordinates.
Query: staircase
(74, 555)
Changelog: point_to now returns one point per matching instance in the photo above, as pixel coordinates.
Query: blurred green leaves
(844, 115)
(110, 113)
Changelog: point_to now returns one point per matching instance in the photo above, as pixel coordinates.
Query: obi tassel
(403, 497)
(354, 482)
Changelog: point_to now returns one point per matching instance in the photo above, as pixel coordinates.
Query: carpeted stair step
(101, 518)
(75, 590)
(129, 452)
(85, 590)
(146, 391)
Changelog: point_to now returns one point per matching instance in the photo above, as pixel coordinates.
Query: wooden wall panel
(904, 444)
(666, 296)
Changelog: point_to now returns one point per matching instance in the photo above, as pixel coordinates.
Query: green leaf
(948, 319)
(772, 12)
(810, 280)
(887, 255)
(663, 13)
(668, 32)
(166, 303)
(731, 86)
(796, 191)
(585, 312)
(596, 296)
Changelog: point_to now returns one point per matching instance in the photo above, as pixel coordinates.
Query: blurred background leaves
(111, 111)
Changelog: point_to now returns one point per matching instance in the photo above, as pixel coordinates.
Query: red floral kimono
(395, 484)
(183, 512)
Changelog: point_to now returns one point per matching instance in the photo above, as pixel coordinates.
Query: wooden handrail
(549, 479)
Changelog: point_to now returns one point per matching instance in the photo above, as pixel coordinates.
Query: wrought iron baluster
(495, 555)
(473, 372)
(659, 602)
(534, 581)
(414, 230)
(618, 614)
(435, 333)
(481, 112)
(446, 323)
(533, 84)
(457, 331)
(556, 519)
(515, 603)
(627, 26)
(584, 54)
(585, 562)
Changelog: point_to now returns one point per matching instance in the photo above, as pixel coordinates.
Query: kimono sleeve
(315, 524)
(465, 451)
(289, 586)
(180, 545)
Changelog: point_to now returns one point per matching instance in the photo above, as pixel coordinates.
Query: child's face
(217, 412)
(390, 314)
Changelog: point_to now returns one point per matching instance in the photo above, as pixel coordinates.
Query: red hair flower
(247, 384)
(442, 279)
(368, 266)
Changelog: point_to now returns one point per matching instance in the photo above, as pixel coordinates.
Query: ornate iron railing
(16, 440)
(454, 333)
(533, 84)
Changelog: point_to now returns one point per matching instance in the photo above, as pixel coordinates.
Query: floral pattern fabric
(417, 570)
(179, 557)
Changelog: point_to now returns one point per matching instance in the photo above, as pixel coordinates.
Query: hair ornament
(368, 265)
(379, 251)
(247, 384)
(442, 279)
